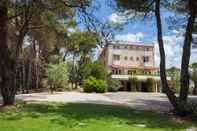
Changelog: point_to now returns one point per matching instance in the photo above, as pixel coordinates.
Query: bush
(139, 86)
(134, 83)
(113, 85)
(56, 77)
(91, 84)
(95, 69)
(88, 84)
(150, 83)
(101, 86)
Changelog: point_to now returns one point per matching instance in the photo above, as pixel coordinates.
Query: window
(146, 59)
(116, 71)
(116, 57)
(119, 71)
(129, 72)
(146, 49)
(125, 58)
(137, 59)
(125, 47)
(131, 58)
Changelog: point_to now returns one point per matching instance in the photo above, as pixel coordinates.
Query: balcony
(116, 62)
(142, 72)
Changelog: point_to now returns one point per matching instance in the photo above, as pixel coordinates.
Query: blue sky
(144, 30)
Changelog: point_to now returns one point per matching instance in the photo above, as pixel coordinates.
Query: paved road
(141, 101)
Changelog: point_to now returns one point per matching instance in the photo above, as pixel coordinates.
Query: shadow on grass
(74, 113)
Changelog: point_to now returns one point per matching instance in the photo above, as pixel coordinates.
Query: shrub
(134, 83)
(138, 87)
(113, 85)
(101, 86)
(91, 84)
(95, 69)
(56, 77)
(88, 84)
(150, 83)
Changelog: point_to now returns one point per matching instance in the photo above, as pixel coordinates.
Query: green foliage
(113, 84)
(174, 72)
(95, 69)
(57, 77)
(74, 74)
(88, 84)
(193, 65)
(101, 86)
(137, 7)
(194, 79)
(150, 83)
(82, 43)
(36, 116)
(134, 83)
(91, 84)
(78, 73)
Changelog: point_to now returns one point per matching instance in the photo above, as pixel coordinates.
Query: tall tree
(6, 62)
(81, 45)
(147, 6)
(192, 11)
(22, 13)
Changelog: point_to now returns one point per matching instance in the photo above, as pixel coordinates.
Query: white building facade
(125, 60)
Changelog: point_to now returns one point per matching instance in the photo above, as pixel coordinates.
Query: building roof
(144, 44)
(131, 43)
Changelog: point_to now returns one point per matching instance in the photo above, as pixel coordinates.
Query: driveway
(140, 101)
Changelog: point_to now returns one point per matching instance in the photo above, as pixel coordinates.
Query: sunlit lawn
(84, 117)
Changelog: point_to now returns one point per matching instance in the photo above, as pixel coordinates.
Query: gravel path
(140, 101)
(67, 97)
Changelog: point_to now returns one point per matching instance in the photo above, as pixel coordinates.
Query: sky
(144, 31)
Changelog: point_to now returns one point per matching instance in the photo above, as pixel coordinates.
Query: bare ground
(140, 101)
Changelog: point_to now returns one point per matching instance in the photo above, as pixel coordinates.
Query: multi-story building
(124, 60)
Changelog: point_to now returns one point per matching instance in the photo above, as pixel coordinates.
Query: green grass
(84, 117)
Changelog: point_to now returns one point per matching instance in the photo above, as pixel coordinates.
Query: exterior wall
(123, 66)
(133, 51)
(140, 53)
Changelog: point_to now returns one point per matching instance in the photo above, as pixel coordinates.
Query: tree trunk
(24, 76)
(6, 63)
(186, 58)
(36, 57)
(171, 96)
(29, 76)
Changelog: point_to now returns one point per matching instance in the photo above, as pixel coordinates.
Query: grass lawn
(84, 117)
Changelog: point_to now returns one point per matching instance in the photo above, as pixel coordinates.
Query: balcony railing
(116, 62)
(135, 72)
